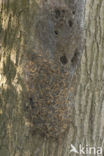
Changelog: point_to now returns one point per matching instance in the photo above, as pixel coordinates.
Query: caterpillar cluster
(51, 57)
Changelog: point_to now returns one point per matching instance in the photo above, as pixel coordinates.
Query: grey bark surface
(69, 27)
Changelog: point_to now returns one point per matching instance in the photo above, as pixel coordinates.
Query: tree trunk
(50, 99)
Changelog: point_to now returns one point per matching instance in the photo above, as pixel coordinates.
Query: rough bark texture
(76, 115)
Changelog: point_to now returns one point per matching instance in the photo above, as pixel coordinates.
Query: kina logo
(90, 150)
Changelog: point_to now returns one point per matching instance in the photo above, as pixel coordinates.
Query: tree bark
(53, 35)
